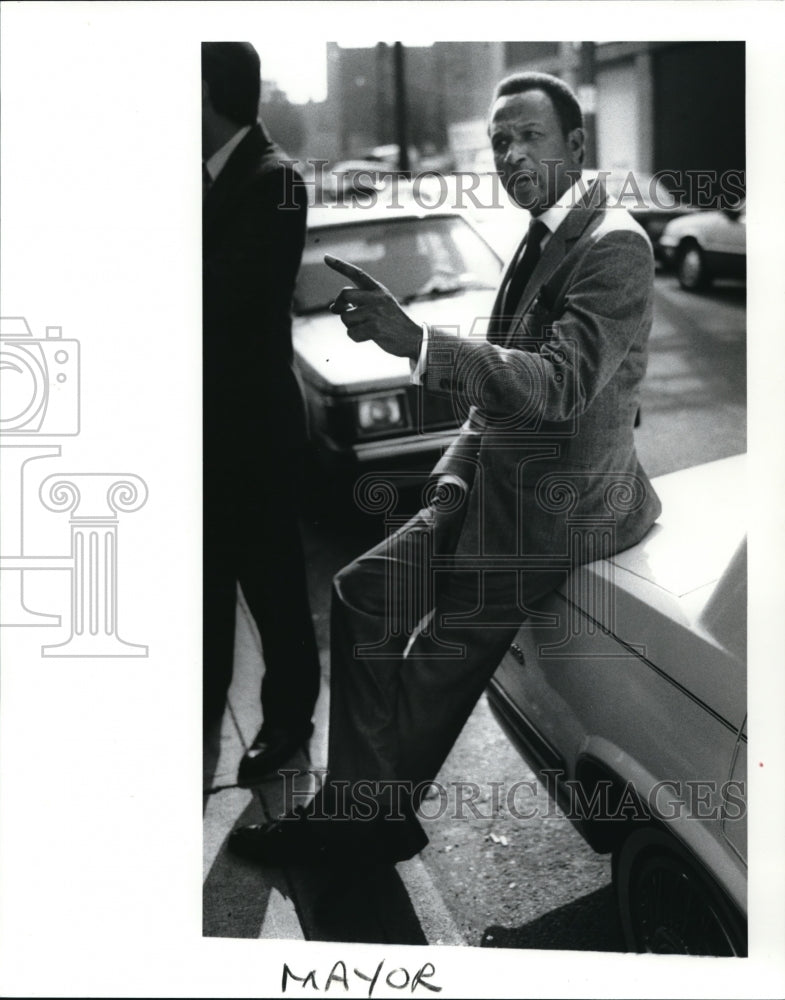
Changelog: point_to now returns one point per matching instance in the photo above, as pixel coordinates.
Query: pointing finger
(353, 273)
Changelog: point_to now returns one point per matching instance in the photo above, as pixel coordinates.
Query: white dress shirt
(218, 160)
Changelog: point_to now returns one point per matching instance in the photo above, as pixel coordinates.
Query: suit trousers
(415, 638)
(252, 537)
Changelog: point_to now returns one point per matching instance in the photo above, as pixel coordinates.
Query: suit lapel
(558, 246)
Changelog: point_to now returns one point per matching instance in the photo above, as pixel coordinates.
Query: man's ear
(576, 140)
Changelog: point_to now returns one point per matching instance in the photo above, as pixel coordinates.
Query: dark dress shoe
(269, 750)
(289, 840)
(301, 839)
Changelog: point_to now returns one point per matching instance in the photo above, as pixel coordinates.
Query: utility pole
(400, 106)
(587, 96)
(382, 94)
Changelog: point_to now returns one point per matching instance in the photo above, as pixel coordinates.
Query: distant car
(626, 691)
(705, 246)
(364, 413)
(357, 177)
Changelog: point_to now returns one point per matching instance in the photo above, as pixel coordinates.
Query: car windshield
(414, 258)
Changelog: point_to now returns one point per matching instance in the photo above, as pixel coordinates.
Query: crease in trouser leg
(422, 626)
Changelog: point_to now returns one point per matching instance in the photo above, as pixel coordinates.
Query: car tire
(691, 268)
(668, 904)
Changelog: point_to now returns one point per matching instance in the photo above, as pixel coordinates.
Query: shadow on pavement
(236, 894)
(211, 750)
(590, 923)
(365, 905)
(729, 291)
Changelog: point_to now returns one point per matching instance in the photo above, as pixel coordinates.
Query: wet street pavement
(487, 878)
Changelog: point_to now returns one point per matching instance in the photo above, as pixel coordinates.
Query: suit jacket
(251, 254)
(548, 439)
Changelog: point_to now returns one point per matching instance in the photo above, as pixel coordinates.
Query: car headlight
(380, 413)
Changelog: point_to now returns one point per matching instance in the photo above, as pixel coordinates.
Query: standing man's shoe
(270, 749)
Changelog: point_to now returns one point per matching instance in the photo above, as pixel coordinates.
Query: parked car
(364, 413)
(626, 691)
(644, 196)
(705, 246)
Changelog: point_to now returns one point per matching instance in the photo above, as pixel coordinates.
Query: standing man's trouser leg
(252, 536)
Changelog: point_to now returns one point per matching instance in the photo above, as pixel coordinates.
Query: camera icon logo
(39, 381)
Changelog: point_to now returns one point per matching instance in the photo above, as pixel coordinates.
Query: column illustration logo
(39, 400)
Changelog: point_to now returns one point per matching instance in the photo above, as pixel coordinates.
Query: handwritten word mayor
(397, 979)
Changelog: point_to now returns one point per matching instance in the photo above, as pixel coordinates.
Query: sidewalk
(388, 904)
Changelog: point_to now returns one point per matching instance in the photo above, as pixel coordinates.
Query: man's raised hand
(370, 312)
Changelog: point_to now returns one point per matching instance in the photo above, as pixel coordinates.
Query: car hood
(329, 360)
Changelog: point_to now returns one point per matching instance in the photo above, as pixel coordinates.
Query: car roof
(382, 211)
(376, 166)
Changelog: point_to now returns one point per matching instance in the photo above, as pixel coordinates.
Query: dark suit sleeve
(607, 300)
(249, 280)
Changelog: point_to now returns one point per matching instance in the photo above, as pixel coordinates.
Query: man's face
(526, 134)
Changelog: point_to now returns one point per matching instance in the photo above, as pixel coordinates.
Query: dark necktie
(522, 271)
(206, 180)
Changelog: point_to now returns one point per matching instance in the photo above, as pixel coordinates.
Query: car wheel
(668, 904)
(691, 268)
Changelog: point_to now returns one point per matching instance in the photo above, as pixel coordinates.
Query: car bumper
(405, 460)
(667, 254)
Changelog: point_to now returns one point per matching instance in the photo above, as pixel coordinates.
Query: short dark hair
(232, 72)
(562, 97)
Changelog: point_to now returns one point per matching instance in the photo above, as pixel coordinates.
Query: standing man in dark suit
(550, 397)
(254, 421)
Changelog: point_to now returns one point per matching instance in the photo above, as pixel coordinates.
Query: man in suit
(551, 397)
(254, 420)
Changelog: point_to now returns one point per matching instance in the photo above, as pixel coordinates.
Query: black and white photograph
(449, 414)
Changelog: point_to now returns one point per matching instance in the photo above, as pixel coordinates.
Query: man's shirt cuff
(418, 368)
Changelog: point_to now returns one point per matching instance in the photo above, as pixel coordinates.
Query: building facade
(650, 106)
